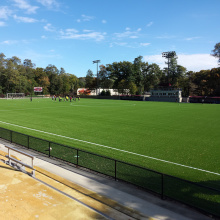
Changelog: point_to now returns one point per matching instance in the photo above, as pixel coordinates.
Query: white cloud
(166, 36)
(74, 34)
(87, 30)
(2, 24)
(150, 24)
(71, 30)
(104, 21)
(128, 34)
(85, 18)
(191, 38)
(49, 3)
(9, 42)
(193, 62)
(49, 27)
(5, 12)
(23, 4)
(25, 19)
(144, 44)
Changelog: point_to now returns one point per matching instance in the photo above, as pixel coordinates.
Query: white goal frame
(15, 95)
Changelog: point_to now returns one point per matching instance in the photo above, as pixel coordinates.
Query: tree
(216, 52)
(132, 88)
(121, 73)
(104, 81)
(2, 61)
(81, 82)
(90, 80)
(74, 83)
(66, 84)
(152, 76)
(139, 67)
(213, 82)
(55, 85)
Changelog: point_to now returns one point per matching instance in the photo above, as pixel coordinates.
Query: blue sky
(73, 33)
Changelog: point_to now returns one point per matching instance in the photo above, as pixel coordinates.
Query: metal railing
(23, 165)
(201, 197)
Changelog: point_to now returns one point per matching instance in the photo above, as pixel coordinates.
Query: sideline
(112, 148)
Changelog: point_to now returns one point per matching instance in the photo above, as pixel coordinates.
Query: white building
(96, 91)
(165, 95)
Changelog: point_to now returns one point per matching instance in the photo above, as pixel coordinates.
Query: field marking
(112, 148)
(21, 109)
(107, 106)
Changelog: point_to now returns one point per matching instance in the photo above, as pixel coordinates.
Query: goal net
(15, 95)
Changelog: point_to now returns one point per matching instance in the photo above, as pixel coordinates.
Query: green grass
(186, 134)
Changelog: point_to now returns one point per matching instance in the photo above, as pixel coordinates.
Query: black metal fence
(201, 197)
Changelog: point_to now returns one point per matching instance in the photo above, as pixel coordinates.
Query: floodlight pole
(97, 61)
(168, 55)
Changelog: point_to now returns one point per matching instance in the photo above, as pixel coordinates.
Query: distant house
(86, 91)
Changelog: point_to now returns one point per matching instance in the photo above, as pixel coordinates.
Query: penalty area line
(112, 148)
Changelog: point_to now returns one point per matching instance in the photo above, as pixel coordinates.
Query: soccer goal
(15, 95)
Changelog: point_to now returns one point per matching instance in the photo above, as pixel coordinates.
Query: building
(165, 93)
(85, 91)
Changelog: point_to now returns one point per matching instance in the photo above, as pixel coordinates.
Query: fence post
(49, 148)
(77, 158)
(115, 170)
(162, 186)
(11, 136)
(28, 142)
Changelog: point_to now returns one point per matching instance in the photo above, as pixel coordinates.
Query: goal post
(15, 95)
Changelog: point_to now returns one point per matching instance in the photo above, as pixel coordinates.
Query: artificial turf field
(179, 139)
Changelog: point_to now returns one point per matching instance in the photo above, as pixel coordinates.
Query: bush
(103, 93)
(108, 93)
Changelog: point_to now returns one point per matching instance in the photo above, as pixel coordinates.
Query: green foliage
(216, 51)
(103, 93)
(18, 77)
(127, 77)
(108, 93)
(90, 80)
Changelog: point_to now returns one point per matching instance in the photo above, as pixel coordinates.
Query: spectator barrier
(201, 197)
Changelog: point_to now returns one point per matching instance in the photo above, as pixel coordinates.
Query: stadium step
(95, 201)
(105, 207)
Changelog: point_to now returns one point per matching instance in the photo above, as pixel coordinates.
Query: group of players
(67, 98)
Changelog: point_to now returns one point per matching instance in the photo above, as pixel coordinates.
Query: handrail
(162, 186)
(17, 161)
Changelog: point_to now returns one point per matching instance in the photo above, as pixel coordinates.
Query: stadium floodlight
(169, 55)
(97, 61)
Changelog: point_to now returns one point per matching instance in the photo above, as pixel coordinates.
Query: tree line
(18, 77)
(137, 76)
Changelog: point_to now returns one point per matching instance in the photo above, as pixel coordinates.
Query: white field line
(21, 109)
(112, 148)
(62, 106)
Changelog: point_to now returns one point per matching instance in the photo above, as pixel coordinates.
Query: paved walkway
(127, 199)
